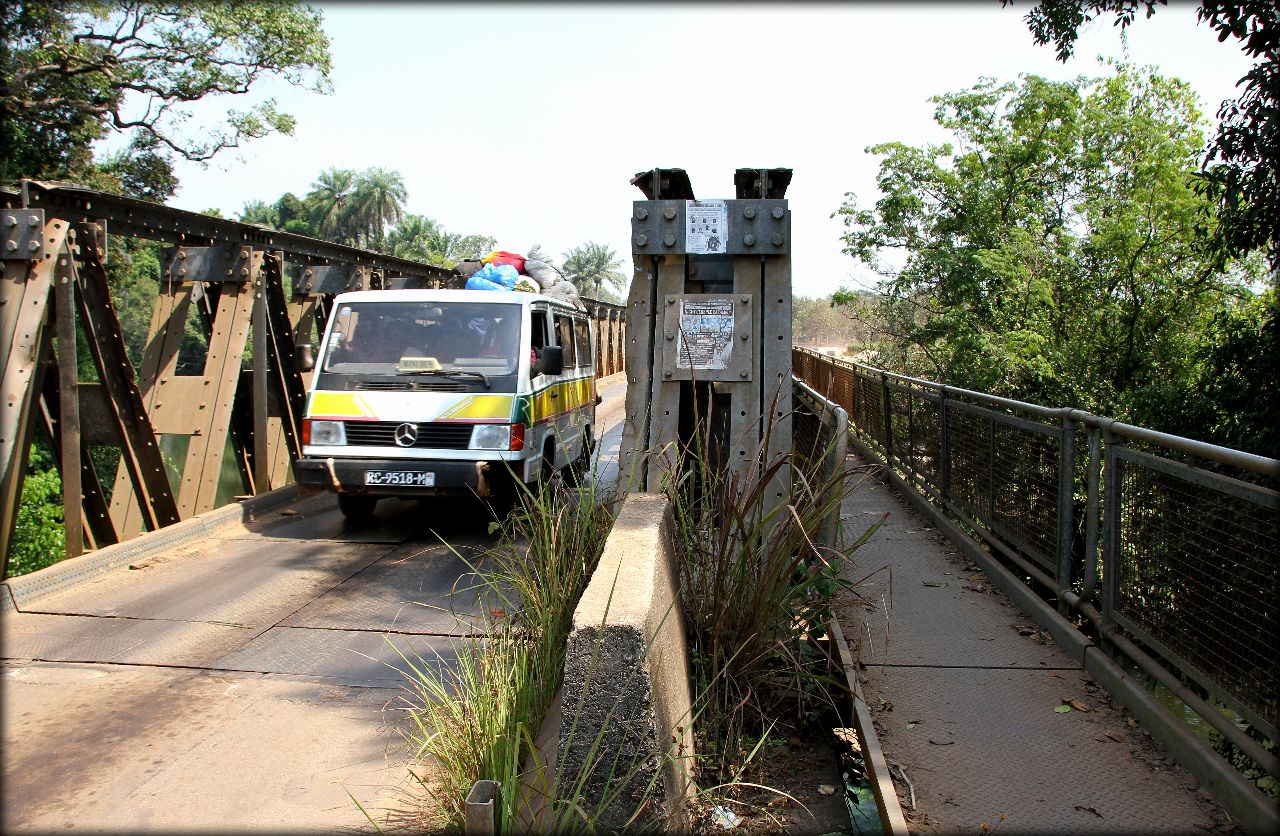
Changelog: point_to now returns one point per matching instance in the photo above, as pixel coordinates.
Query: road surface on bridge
(250, 680)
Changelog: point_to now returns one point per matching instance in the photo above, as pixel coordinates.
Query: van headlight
(328, 432)
(491, 437)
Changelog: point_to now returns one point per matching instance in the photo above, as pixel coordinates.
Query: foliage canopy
(75, 71)
(1052, 251)
(1241, 170)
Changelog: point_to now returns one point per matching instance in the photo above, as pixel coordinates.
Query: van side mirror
(304, 357)
(550, 361)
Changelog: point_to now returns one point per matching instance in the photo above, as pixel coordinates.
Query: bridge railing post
(1066, 509)
(886, 416)
(944, 448)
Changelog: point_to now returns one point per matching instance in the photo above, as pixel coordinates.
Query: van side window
(564, 339)
(582, 336)
(538, 328)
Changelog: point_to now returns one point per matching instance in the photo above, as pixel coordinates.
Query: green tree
(291, 215)
(420, 238)
(590, 267)
(261, 213)
(1052, 252)
(378, 200)
(75, 71)
(1242, 166)
(330, 201)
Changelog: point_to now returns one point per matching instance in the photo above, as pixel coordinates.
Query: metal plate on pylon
(23, 233)
(707, 336)
(418, 588)
(349, 656)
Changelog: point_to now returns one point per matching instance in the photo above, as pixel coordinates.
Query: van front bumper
(315, 475)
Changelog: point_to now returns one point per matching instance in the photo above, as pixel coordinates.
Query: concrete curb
(20, 592)
(892, 819)
(627, 709)
(1253, 810)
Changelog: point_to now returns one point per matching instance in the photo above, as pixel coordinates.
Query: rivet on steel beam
(666, 372)
(778, 212)
(746, 299)
(669, 240)
(749, 240)
(744, 337)
(182, 271)
(641, 213)
(11, 246)
(10, 220)
(743, 374)
(671, 335)
(777, 239)
(33, 220)
(671, 300)
(749, 212)
(641, 240)
(182, 253)
(669, 213)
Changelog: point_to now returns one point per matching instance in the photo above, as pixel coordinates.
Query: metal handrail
(1102, 549)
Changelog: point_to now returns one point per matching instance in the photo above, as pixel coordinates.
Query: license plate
(406, 478)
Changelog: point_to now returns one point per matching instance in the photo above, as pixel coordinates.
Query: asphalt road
(251, 680)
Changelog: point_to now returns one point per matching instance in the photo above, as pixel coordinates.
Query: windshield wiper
(448, 373)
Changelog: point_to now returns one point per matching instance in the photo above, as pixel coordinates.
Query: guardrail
(1165, 545)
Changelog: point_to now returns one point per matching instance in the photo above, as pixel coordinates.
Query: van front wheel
(356, 508)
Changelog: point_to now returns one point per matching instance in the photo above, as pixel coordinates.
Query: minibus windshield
(423, 338)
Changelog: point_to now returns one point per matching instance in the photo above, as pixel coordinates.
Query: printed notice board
(706, 334)
(706, 226)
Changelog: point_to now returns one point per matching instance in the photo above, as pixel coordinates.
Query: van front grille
(408, 385)
(441, 436)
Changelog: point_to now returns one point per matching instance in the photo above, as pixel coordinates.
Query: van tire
(580, 468)
(357, 508)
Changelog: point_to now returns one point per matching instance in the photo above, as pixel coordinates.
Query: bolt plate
(656, 234)
(22, 239)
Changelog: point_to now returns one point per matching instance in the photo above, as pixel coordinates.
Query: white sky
(527, 123)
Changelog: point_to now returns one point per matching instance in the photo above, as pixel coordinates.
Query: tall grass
(478, 717)
(756, 583)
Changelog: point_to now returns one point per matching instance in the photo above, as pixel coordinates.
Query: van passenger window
(538, 327)
(564, 339)
(582, 336)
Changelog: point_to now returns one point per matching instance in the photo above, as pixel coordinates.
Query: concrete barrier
(626, 740)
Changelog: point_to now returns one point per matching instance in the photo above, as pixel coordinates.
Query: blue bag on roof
(500, 274)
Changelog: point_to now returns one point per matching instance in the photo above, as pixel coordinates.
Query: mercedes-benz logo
(406, 434)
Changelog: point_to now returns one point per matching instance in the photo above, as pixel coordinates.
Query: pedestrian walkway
(989, 722)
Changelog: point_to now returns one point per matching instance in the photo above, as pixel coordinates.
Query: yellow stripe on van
(338, 405)
(569, 395)
(480, 408)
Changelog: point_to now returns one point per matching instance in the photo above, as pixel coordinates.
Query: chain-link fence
(1157, 538)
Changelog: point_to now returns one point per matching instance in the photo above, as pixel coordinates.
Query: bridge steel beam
(234, 276)
(244, 285)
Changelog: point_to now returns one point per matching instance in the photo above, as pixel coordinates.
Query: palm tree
(379, 200)
(330, 202)
(590, 266)
(260, 213)
(411, 237)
